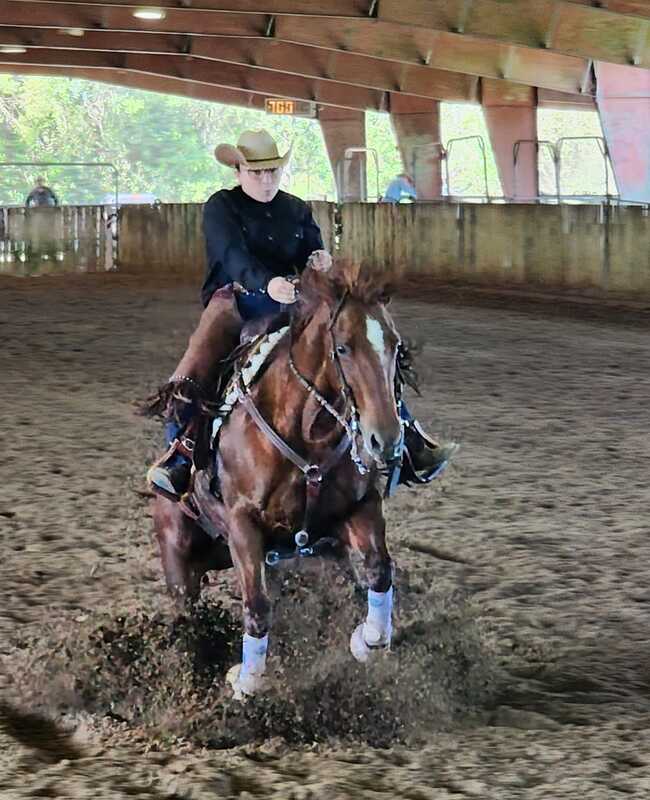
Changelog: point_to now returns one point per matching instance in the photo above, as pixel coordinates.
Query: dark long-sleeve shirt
(251, 242)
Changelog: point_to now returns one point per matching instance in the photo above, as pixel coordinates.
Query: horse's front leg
(246, 543)
(365, 533)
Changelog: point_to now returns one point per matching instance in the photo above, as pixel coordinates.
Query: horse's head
(363, 343)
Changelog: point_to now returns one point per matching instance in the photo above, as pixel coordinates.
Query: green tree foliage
(582, 164)
(159, 143)
(163, 144)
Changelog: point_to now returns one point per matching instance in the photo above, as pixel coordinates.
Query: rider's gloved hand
(320, 260)
(281, 290)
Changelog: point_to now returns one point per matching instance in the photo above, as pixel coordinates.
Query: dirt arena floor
(521, 666)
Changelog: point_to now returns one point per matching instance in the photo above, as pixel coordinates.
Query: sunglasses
(259, 173)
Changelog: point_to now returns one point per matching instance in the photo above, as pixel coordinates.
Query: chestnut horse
(328, 393)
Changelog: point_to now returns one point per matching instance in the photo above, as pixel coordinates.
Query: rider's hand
(281, 290)
(320, 260)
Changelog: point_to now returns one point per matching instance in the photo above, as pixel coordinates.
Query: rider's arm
(311, 238)
(229, 259)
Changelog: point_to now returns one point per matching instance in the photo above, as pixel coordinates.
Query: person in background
(41, 195)
(401, 186)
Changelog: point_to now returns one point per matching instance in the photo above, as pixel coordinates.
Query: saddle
(237, 374)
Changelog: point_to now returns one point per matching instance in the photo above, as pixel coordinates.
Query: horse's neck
(297, 411)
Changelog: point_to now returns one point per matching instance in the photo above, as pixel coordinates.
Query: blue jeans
(256, 305)
(404, 413)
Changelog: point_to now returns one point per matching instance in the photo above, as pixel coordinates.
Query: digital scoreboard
(289, 108)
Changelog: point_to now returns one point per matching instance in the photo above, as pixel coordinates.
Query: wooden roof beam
(617, 33)
(281, 57)
(449, 52)
(298, 8)
(97, 17)
(221, 74)
(443, 50)
(574, 27)
(150, 83)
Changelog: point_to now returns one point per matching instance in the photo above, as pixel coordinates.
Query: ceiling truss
(347, 53)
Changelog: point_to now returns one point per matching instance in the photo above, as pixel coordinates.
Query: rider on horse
(257, 237)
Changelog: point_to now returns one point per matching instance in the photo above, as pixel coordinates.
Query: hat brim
(231, 156)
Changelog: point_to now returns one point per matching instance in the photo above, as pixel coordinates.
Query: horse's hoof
(246, 685)
(361, 648)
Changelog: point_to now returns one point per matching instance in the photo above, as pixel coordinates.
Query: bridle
(350, 424)
(313, 473)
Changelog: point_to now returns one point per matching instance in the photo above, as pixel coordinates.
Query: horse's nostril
(374, 443)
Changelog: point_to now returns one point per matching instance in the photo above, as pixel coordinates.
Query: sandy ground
(538, 535)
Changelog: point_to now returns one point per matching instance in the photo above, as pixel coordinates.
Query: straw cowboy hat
(254, 150)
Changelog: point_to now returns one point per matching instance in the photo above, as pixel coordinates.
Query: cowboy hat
(254, 150)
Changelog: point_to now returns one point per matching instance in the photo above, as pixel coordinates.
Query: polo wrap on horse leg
(254, 655)
(376, 632)
(379, 623)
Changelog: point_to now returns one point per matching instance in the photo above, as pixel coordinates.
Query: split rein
(351, 426)
(313, 473)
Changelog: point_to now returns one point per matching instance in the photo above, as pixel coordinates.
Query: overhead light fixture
(150, 13)
(72, 31)
(11, 49)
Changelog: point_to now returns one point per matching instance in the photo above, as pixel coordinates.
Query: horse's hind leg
(365, 533)
(186, 551)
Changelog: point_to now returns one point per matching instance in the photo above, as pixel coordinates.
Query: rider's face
(260, 184)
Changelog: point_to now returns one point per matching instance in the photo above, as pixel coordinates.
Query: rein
(313, 473)
(350, 427)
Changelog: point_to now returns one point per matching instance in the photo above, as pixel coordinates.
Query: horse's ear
(386, 294)
(315, 286)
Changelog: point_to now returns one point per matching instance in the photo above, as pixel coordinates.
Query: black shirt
(251, 242)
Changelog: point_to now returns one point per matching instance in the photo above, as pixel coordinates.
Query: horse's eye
(341, 349)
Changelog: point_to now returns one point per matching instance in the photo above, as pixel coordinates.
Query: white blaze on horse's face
(371, 375)
(375, 334)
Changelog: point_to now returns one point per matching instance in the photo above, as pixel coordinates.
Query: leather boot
(214, 338)
(424, 458)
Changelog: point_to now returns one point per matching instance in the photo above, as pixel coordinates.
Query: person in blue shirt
(400, 187)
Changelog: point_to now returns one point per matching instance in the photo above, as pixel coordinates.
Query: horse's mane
(356, 280)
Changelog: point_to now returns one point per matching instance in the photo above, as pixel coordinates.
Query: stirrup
(442, 456)
(158, 475)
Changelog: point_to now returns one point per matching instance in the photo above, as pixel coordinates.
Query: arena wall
(572, 248)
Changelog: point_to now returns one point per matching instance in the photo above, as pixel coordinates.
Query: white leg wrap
(254, 655)
(379, 626)
(376, 631)
(247, 678)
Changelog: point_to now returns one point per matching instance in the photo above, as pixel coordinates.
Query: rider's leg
(213, 340)
(170, 476)
(425, 456)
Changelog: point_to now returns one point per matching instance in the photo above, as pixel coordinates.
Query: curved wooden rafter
(348, 53)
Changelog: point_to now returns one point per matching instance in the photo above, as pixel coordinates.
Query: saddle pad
(245, 375)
